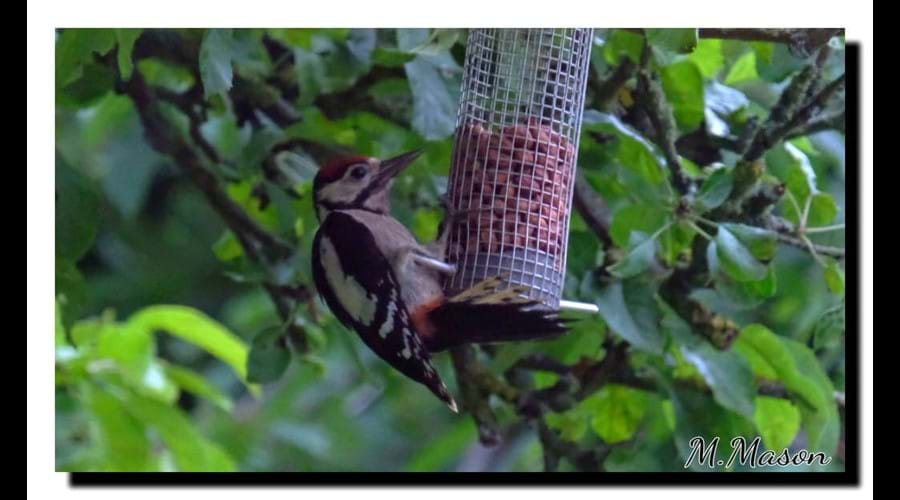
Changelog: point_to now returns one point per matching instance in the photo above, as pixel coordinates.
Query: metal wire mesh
(514, 158)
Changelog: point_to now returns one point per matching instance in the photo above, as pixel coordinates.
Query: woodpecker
(379, 281)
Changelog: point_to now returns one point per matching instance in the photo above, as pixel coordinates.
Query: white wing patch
(388, 324)
(407, 335)
(359, 304)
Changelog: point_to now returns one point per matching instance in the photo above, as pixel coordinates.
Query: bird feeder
(513, 169)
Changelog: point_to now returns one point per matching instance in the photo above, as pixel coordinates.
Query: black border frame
(850, 476)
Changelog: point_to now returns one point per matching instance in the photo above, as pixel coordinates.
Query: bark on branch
(804, 39)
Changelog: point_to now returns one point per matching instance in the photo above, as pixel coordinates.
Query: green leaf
(71, 291)
(269, 356)
(444, 449)
(191, 450)
(95, 82)
(257, 149)
(197, 328)
(727, 374)
(790, 164)
(440, 41)
(762, 243)
(715, 189)
(822, 210)
(778, 422)
(617, 412)
(311, 75)
(736, 260)
(584, 340)
(359, 43)
(793, 166)
(426, 222)
(216, 56)
(708, 57)
(77, 46)
(776, 61)
(743, 70)
(572, 425)
(741, 295)
(77, 212)
(696, 414)
(122, 438)
(748, 294)
(331, 65)
(828, 332)
(668, 42)
(126, 38)
(724, 100)
(294, 37)
(633, 150)
(133, 351)
(676, 241)
(683, 85)
(434, 81)
(391, 58)
(620, 305)
(194, 383)
(583, 250)
(623, 43)
(227, 247)
(834, 277)
(822, 422)
(645, 218)
(242, 193)
(59, 331)
(779, 360)
(637, 260)
(88, 331)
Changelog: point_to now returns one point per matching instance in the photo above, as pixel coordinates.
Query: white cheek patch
(359, 305)
(338, 192)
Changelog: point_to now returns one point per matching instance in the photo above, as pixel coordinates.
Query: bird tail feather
(490, 312)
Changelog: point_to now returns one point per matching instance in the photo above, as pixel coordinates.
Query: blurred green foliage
(132, 232)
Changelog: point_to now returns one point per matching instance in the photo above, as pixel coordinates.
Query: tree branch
(787, 234)
(653, 100)
(260, 245)
(824, 121)
(804, 39)
(164, 137)
(780, 125)
(593, 209)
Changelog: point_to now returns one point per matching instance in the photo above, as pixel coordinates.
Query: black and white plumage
(358, 284)
(384, 285)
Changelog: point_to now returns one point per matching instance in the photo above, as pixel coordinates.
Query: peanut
(521, 175)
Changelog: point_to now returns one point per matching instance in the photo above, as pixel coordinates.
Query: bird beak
(390, 168)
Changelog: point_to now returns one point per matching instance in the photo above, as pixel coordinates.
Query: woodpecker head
(358, 182)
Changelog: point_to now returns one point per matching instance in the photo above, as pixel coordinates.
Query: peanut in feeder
(514, 158)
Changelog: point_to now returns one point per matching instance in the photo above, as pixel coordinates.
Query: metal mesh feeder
(513, 169)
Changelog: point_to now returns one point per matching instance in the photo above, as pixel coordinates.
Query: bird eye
(358, 172)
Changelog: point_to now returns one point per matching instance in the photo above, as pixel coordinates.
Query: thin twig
(593, 209)
(830, 251)
(654, 102)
